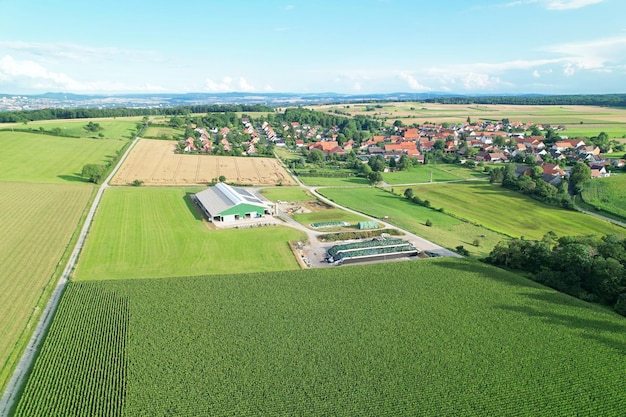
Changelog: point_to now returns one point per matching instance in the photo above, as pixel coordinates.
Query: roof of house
(222, 196)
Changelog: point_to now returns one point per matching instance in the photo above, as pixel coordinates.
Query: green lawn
(51, 159)
(286, 194)
(442, 337)
(446, 231)
(156, 232)
(607, 194)
(509, 212)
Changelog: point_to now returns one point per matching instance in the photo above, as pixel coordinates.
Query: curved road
(19, 375)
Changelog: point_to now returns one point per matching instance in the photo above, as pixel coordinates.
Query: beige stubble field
(155, 163)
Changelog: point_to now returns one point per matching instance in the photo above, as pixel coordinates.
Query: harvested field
(155, 163)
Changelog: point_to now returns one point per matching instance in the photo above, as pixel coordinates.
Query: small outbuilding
(367, 225)
(228, 204)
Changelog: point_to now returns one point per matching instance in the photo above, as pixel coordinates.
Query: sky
(305, 46)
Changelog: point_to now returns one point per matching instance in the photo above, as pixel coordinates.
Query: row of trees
(593, 269)
(532, 185)
(610, 100)
(52, 114)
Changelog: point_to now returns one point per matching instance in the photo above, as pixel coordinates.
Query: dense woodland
(583, 266)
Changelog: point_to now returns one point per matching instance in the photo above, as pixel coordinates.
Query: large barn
(227, 204)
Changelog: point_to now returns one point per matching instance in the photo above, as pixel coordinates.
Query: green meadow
(445, 230)
(333, 181)
(426, 173)
(286, 194)
(120, 128)
(607, 194)
(510, 213)
(442, 337)
(157, 232)
(328, 215)
(51, 159)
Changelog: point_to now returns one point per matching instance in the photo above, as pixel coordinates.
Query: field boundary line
(25, 364)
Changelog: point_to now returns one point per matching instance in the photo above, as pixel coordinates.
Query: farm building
(226, 204)
(367, 225)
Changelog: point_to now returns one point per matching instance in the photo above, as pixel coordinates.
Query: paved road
(599, 216)
(19, 375)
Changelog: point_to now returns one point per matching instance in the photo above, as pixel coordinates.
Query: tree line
(590, 268)
(608, 100)
(88, 113)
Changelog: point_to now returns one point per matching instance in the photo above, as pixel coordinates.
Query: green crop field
(157, 232)
(607, 194)
(51, 159)
(37, 222)
(429, 338)
(511, 213)
(446, 231)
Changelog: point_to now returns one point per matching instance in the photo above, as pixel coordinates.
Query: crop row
(81, 369)
(438, 337)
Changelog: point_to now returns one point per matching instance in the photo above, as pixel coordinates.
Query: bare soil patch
(155, 163)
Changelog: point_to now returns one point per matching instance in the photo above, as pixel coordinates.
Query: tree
(578, 176)
(398, 123)
(94, 172)
(222, 178)
(93, 127)
(408, 193)
(375, 177)
(404, 163)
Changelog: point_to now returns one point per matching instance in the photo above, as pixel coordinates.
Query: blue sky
(365, 46)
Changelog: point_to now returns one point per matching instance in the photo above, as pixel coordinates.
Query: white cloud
(412, 81)
(72, 52)
(357, 86)
(556, 4)
(30, 74)
(475, 81)
(594, 54)
(220, 86)
(244, 86)
(536, 74)
(568, 70)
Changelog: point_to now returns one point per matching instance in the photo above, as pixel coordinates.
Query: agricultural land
(43, 204)
(385, 339)
(154, 163)
(167, 313)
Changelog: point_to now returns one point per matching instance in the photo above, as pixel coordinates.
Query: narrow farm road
(599, 216)
(19, 375)
(418, 241)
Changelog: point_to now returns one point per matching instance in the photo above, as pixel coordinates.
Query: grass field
(120, 128)
(446, 231)
(157, 232)
(333, 182)
(286, 194)
(37, 222)
(51, 159)
(428, 338)
(156, 131)
(511, 213)
(422, 173)
(329, 215)
(607, 194)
